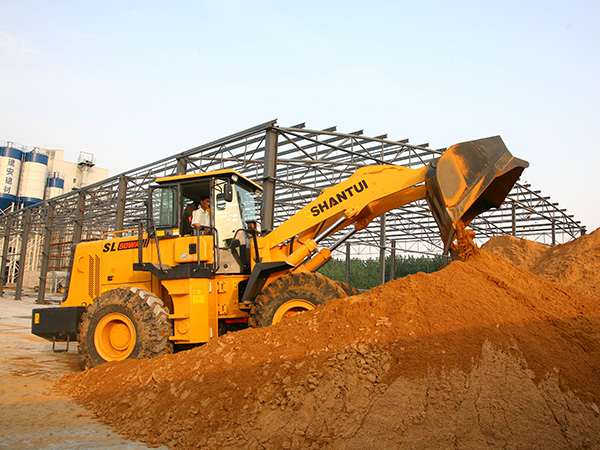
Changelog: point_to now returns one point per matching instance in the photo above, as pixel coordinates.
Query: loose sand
(575, 264)
(500, 351)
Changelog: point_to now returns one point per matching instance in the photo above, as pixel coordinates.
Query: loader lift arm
(468, 179)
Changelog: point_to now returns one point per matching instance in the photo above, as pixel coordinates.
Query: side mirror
(228, 192)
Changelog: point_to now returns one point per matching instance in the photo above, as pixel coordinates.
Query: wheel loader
(138, 293)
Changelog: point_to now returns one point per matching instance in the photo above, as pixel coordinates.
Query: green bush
(364, 273)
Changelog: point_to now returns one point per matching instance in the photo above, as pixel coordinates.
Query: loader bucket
(467, 180)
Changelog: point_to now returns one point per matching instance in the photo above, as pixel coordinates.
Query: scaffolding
(293, 164)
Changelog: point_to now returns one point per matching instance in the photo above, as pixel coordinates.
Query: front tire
(124, 323)
(291, 294)
(348, 289)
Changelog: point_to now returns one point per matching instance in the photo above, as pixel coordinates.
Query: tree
(364, 273)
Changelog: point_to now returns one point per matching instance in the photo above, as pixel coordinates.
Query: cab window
(164, 201)
(227, 215)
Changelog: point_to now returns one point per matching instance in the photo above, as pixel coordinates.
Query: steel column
(393, 262)
(382, 249)
(23, 253)
(122, 195)
(514, 218)
(269, 183)
(78, 229)
(46, 253)
(182, 163)
(4, 263)
(347, 279)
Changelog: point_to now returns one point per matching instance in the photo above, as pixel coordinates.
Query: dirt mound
(520, 252)
(481, 354)
(575, 264)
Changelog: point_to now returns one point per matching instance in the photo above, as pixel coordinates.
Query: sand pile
(482, 354)
(575, 264)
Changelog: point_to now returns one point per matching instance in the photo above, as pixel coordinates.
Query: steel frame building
(293, 164)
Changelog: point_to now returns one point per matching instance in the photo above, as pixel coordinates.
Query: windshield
(247, 202)
(232, 216)
(227, 215)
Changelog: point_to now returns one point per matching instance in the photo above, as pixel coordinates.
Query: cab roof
(227, 174)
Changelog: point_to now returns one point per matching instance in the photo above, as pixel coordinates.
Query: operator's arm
(201, 219)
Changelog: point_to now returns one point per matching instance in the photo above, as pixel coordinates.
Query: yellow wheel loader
(137, 294)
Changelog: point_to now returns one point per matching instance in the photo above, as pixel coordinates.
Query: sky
(136, 81)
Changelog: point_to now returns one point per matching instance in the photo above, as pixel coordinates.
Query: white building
(76, 174)
(28, 177)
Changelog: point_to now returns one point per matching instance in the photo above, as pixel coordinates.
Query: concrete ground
(32, 414)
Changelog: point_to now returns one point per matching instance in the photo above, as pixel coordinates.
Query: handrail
(150, 222)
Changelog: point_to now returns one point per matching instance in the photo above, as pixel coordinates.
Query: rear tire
(293, 293)
(124, 323)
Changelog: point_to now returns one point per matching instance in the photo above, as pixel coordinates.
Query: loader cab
(232, 203)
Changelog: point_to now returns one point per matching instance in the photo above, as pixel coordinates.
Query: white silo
(34, 175)
(10, 168)
(56, 185)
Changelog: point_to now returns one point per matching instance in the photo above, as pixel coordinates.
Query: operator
(201, 216)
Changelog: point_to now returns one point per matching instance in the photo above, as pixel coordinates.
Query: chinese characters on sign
(8, 180)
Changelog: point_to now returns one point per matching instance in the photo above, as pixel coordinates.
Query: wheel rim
(292, 308)
(114, 337)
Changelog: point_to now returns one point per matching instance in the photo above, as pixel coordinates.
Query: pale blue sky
(135, 81)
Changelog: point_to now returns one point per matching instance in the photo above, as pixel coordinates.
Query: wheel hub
(291, 308)
(115, 337)
(120, 336)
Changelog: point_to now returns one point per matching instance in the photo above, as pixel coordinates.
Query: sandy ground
(32, 414)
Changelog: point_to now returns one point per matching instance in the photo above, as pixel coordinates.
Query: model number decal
(123, 245)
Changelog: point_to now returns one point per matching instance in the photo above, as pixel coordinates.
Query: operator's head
(205, 202)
